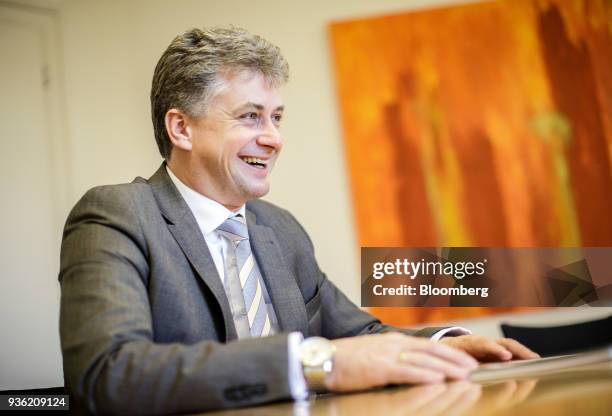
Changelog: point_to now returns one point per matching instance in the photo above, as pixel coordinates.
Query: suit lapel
(183, 226)
(280, 282)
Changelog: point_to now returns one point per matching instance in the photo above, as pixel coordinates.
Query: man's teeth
(254, 161)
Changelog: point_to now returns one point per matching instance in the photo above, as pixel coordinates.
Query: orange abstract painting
(487, 124)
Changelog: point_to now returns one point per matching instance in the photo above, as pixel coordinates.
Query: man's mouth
(255, 162)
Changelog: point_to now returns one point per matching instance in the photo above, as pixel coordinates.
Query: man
(184, 292)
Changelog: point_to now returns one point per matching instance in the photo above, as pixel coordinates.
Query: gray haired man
(184, 292)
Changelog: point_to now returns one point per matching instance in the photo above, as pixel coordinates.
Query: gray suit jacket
(145, 324)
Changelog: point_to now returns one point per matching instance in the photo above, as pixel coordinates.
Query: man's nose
(270, 137)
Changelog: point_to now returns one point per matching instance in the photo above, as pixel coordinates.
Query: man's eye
(276, 118)
(250, 116)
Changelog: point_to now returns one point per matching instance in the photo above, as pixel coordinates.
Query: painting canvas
(486, 124)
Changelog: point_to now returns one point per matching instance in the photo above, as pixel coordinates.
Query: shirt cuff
(297, 382)
(452, 331)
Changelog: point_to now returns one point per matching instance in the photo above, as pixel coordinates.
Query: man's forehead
(248, 89)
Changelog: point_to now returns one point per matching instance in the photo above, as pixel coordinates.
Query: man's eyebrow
(258, 107)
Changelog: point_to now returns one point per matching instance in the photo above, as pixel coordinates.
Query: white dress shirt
(209, 215)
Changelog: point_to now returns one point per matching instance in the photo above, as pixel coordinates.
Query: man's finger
(451, 354)
(432, 362)
(409, 374)
(517, 349)
(486, 349)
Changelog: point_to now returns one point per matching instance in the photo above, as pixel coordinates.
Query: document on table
(526, 368)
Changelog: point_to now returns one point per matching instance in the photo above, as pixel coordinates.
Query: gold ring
(403, 357)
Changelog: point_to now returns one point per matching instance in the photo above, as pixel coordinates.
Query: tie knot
(234, 228)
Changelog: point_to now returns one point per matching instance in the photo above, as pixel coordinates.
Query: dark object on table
(565, 339)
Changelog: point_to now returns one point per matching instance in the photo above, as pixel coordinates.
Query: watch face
(315, 351)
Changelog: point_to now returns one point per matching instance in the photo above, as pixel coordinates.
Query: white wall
(30, 215)
(110, 50)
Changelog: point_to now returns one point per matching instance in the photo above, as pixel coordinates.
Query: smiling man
(184, 292)
(228, 155)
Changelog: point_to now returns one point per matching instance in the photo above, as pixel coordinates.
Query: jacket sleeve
(111, 362)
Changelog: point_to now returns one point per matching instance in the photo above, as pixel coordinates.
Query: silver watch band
(317, 356)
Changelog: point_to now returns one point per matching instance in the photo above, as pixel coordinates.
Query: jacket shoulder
(122, 203)
(118, 195)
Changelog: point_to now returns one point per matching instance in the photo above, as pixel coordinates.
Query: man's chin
(259, 193)
(255, 192)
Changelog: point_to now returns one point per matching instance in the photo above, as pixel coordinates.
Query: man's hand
(483, 349)
(393, 358)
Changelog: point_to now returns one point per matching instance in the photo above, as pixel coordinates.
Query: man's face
(235, 145)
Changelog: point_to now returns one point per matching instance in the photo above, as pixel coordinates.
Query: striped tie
(243, 281)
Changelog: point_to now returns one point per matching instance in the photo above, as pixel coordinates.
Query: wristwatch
(317, 356)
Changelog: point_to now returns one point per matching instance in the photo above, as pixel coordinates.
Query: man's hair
(188, 74)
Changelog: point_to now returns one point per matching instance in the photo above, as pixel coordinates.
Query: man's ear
(179, 129)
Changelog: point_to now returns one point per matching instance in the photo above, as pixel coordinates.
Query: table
(577, 391)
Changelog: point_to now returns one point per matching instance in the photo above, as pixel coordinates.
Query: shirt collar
(208, 213)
